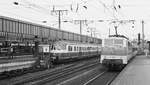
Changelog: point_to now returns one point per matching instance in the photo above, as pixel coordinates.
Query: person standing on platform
(146, 52)
(11, 52)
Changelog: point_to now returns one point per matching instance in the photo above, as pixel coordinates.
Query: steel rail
(39, 76)
(111, 80)
(105, 73)
(48, 73)
(91, 80)
(62, 74)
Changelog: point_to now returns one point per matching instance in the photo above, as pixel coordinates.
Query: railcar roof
(71, 42)
(119, 36)
(67, 43)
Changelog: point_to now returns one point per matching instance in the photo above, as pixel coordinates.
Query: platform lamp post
(143, 35)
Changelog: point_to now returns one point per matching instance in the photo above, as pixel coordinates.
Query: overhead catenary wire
(39, 9)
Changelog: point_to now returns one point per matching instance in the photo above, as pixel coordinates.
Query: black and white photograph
(74, 42)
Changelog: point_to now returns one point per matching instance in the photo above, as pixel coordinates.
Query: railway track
(61, 74)
(105, 78)
(50, 75)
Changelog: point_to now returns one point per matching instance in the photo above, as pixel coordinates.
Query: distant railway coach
(116, 51)
(62, 51)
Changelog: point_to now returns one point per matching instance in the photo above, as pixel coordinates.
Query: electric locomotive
(117, 50)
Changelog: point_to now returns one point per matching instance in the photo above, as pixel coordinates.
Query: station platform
(137, 72)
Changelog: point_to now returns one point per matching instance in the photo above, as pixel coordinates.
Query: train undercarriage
(113, 64)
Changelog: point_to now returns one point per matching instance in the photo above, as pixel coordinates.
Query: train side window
(77, 48)
(74, 48)
(53, 47)
(69, 48)
(88, 48)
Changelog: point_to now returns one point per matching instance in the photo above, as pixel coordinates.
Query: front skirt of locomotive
(113, 61)
(114, 64)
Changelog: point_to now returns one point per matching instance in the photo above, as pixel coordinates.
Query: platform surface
(137, 72)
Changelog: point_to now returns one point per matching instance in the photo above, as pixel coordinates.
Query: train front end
(114, 52)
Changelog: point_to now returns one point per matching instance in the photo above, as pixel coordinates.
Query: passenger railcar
(62, 51)
(116, 51)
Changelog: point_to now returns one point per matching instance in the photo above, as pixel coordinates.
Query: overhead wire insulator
(115, 8)
(16, 3)
(85, 7)
(119, 6)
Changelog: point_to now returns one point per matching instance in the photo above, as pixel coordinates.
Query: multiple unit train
(117, 51)
(61, 51)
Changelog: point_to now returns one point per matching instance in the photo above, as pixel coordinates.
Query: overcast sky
(38, 11)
